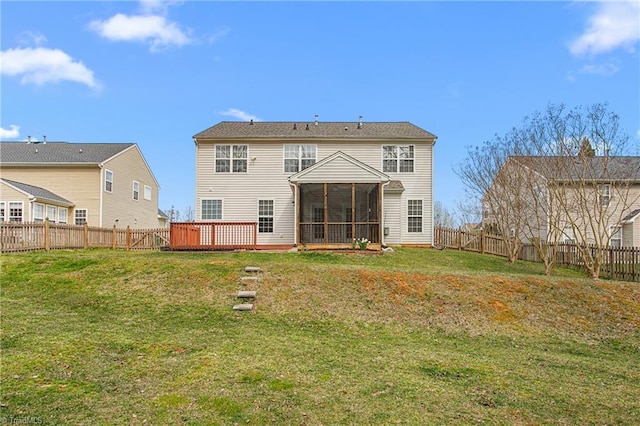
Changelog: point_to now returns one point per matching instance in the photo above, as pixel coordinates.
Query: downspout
(295, 212)
(382, 212)
(101, 166)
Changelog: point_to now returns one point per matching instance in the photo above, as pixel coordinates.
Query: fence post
(47, 234)
(459, 239)
(482, 242)
(85, 243)
(113, 238)
(128, 237)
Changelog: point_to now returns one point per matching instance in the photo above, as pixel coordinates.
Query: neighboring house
(567, 199)
(101, 184)
(318, 184)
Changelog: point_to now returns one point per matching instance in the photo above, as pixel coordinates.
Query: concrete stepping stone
(243, 307)
(252, 269)
(246, 294)
(252, 279)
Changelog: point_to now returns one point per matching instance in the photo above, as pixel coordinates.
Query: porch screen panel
(367, 225)
(312, 213)
(339, 213)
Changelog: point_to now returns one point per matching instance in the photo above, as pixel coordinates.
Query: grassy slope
(412, 337)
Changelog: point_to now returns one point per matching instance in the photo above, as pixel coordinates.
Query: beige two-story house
(584, 199)
(319, 184)
(100, 184)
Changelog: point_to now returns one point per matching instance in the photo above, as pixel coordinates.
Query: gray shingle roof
(631, 216)
(304, 130)
(591, 168)
(37, 192)
(58, 152)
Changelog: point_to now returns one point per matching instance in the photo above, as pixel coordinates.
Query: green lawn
(412, 337)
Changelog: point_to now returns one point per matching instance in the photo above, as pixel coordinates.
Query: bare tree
(442, 217)
(561, 176)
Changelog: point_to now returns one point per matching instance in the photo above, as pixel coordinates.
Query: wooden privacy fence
(213, 235)
(621, 263)
(49, 236)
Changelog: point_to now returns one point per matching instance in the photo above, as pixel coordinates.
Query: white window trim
(86, 215)
(8, 211)
(107, 181)
(397, 158)
(272, 216)
(35, 217)
(231, 159)
(212, 199)
(53, 217)
(422, 205)
(147, 190)
(60, 214)
(136, 191)
(299, 157)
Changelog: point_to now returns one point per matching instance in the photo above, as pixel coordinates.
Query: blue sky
(156, 73)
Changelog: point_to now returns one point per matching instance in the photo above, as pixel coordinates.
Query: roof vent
(316, 120)
(44, 138)
(360, 122)
(29, 139)
(251, 122)
(307, 126)
(295, 126)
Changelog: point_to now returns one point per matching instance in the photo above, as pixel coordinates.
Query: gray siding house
(318, 184)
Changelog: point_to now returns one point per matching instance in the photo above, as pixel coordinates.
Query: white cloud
(607, 69)
(30, 38)
(153, 29)
(244, 116)
(11, 133)
(614, 25)
(41, 65)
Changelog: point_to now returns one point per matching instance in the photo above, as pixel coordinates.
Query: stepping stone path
(247, 294)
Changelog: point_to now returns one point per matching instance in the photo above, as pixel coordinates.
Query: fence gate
(213, 235)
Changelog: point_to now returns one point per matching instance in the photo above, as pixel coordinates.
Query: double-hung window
(231, 158)
(616, 236)
(51, 213)
(38, 212)
(604, 194)
(147, 192)
(136, 190)
(414, 215)
(15, 211)
(2, 211)
(398, 158)
(299, 157)
(211, 209)
(63, 214)
(108, 181)
(568, 236)
(265, 216)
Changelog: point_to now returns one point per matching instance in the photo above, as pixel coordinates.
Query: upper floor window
(80, 216)
(231, 158)
(265, 216)
(604, 194)
(15, 211)
(414, 215)
(211, 209)
(136, 190)
(299, 157)
(108, 181)
(147, 192)
(398, 158)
